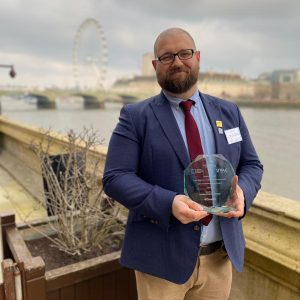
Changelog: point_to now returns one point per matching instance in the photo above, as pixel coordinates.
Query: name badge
(233, 135)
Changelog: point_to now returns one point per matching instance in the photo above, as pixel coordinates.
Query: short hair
(168, 31)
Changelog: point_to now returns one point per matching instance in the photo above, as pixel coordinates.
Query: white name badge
(233, 135)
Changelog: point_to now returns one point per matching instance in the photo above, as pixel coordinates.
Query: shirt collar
(175, 101)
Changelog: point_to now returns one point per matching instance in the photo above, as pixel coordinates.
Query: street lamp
(12, 73)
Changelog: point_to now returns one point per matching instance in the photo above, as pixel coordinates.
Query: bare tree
(80, 214)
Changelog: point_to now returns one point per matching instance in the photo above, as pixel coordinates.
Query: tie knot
(186, 105)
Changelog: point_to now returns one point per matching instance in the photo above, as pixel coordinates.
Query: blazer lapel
(165, 117)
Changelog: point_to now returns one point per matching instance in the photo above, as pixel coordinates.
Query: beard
(173, 80)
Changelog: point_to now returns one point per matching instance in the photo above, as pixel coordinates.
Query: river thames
(274, 131)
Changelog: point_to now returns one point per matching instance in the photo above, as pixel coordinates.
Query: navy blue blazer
(144, 171)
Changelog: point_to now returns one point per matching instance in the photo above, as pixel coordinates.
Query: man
(174, 254)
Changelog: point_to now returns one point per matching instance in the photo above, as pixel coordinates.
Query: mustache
(174, 70)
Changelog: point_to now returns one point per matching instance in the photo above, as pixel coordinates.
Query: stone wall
(272, 261)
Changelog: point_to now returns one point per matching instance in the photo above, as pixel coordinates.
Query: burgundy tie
(193, 139)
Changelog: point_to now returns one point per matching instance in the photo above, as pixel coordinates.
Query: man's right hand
(186, 210)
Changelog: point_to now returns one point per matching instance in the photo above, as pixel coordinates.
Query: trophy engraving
(207, 181)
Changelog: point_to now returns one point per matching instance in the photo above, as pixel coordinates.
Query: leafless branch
(85, 216)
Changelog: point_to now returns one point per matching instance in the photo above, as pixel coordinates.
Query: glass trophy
(207, 181)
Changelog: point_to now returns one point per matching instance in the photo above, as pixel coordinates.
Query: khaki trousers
(211, 280)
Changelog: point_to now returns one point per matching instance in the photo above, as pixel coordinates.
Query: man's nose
(177, 61)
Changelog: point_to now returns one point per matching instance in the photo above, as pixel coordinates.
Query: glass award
(207, 181)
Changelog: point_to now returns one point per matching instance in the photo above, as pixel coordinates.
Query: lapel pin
(219, 124)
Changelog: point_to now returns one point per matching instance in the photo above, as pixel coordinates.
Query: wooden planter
(98, 278)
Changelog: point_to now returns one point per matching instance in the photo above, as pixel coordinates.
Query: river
(274, 131)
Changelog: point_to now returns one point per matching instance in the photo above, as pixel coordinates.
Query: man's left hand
(237, 200)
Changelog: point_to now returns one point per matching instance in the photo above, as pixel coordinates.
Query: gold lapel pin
(219, 124)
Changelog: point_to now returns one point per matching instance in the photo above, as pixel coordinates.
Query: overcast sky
(246, 37)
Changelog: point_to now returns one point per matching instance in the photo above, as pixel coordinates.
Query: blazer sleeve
(121, 179)
(250, 169)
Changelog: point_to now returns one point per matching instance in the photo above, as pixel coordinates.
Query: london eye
(90, 55)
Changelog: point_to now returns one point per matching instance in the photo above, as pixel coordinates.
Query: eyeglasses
(168, 58)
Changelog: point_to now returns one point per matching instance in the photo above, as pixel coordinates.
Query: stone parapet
(272, 260)
(18, 159)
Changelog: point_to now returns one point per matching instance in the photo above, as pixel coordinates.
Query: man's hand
(237, 200)
(186, 210)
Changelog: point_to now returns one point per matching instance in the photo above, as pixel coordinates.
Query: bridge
(49, 99)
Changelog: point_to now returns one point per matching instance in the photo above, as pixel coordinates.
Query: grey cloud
(246, 36)
(228, 9)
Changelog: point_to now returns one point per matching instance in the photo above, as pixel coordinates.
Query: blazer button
(196, 228)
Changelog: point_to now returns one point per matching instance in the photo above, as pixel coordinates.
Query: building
(285, 85)
(277, 86)
(147, 68)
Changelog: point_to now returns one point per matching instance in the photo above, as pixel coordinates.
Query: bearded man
(177, 249)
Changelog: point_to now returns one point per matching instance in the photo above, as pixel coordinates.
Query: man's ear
(198, 55)
(154, 63)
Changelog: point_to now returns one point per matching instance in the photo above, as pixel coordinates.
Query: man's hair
(169, 31)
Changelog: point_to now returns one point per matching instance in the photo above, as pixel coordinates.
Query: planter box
(98, 278)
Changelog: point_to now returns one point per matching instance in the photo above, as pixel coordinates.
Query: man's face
(180, 75)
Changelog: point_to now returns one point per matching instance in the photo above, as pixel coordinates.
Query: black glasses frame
(178, 54)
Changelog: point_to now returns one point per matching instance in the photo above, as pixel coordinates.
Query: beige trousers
(211, 280)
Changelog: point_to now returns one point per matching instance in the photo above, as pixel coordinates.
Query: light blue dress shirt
(212, 232)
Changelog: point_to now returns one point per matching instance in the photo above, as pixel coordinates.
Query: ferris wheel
(90, 55)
